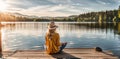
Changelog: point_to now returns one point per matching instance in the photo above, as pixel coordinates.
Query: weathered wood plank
(84, 53)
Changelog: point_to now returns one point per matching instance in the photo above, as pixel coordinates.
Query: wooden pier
(68, 53)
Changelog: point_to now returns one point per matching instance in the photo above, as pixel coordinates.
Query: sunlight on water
(30, 35)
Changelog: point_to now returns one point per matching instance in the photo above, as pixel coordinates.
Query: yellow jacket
(52, 45)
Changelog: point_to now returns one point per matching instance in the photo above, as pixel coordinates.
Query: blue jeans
(62, 47)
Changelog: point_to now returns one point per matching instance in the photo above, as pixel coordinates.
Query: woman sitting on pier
(52, 38)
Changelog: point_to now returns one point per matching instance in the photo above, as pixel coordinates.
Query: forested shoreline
(102, 16)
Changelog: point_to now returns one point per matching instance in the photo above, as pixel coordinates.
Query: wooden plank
(84, 53)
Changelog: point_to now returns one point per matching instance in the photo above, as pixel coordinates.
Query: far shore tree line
(102, 16)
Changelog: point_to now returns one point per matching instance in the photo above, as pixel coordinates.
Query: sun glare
(3, 6)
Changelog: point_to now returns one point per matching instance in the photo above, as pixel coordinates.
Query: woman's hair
(50, 33)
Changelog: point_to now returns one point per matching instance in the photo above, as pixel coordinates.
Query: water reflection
(118, 28)
(30, 35)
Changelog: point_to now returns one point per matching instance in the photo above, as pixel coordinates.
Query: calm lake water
(31, 35)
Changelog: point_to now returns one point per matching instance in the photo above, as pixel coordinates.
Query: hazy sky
(59, 7)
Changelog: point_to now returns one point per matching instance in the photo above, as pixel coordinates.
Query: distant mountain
(21, 15)
(18, 14)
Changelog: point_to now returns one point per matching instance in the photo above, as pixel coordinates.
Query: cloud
(15, 9)
(28, 3)
(101, 2)
(61, 7)
(43, 11)
(61, 1)
(77, 4)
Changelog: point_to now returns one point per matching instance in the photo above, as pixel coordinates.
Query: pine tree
(119, 12)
